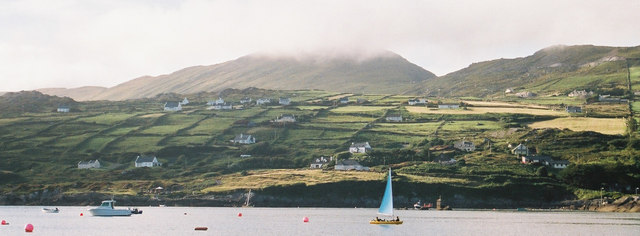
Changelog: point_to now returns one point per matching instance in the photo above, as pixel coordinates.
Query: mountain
(385, 73)
(556, 69)
(80, 94)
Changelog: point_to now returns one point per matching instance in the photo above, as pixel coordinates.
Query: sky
(73, 43)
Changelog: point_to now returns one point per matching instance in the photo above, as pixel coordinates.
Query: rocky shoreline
(236, 199)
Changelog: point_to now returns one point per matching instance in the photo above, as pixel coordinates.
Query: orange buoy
(305, 219)
(28, 228)
(4, 222)
(201, 228)
(240, 214)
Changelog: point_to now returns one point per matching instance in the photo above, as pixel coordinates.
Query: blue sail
(386, 207)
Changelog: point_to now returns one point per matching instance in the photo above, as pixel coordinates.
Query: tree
(542, 171)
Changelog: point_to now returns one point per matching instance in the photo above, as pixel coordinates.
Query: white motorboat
(106, 209)
(50, 210)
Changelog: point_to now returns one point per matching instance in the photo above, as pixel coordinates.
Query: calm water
(322, 221)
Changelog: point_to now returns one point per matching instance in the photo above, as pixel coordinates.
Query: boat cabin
(107, 204)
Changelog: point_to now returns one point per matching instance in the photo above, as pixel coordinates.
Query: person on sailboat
(397, 218)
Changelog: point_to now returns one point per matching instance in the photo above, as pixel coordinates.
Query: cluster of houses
(347, 164)
(141, 161)
(523, 153)
(218, 104)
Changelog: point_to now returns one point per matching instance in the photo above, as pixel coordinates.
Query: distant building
(508, 90)
(465, 146)
(360, 147)
(545, 160)
(185, 101)
(219, 101)
(244, 139)
(147, 161)
(320, 161)
(521, 149)
(285, 118)
(580, 94)
(573, 109)
(418, 101)
(63, 108)
(172, 106)
(245, 100)
(361, 100)
(526, 94)
(394, 118)
(350, 165)
(223, 106)
(89, 164)
(449, 106)
(262, 101)
(344, 100)
(284, 101)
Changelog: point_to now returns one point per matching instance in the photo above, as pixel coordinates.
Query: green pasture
(333, 126)
(547, 100)
(106, 119)
(471, 126)
(240, 114)
(394, 100)
(140, 144)
(313, 108)
(386, 140)
(120, 131)
(187, 140)
(11, 121)
(421, 129)
(74, 129)
(344, 118)
(70, 141)
(95, 144)
(211, 126)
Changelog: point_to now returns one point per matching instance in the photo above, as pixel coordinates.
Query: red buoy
(305, 219)
(240, 214)
(201, 228)
(4, 222)
(81, 214)
(28, 228)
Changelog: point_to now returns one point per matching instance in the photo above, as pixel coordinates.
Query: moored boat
(50, 210)
(386, 207)
(107, 209)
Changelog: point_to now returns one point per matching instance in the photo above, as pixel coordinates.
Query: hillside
(79, 94)
(32, 101)
(556, 69)
(387, 73)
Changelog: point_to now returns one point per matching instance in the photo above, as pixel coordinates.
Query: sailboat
(247, 203)
(386, 207)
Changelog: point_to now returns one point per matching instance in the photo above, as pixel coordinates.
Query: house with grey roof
(172, 106)
(63, 108)
(285, 118)
(263, 101)
(573, 109)
(147, 161)
(464, 145)
(284, 101)
(244, 139)
(521, 149)
(545, 160)
(317, 163)
(245, 100)
(394, 118)
(89, 164)
(349, 164)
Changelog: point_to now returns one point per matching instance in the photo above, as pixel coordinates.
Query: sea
(166, 221)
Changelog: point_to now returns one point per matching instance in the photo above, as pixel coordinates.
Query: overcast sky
(72, 43)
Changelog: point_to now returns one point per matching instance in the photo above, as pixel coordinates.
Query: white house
(244, 139)
(508, 90)
(63, 108)
(319, 162)
(394, 118)
(350, 165)
(545, 160)
(284, 101)
(285, 118)
(262, 101)
(147, 161)
(573, 109)
(223, 106)
(185, 101)
(344, 100)
(448, 106)
(245, 100)
(172, 106)
(413, 102)
(219, 101)
(360, 147)
(464, 146)
(89, 164)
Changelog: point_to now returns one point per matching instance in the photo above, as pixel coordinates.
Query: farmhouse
(464, 146)
(344, 100)
(223, 106)
(89, 164)
(244, 139)
(508, 90)
(521, 149)
(573, 109)
(262, 101)
(449, 106)
(63, 108)
(394, 118)
(147, 161)
(350, 165)
(285, 118)
(219, 101)
(414, 102)
(245, 100)
(319, 162)
(580, 94)
(185, 101)
(284, 101)
(172, 106)
(526, 94)
(360, 147)
(545, 160)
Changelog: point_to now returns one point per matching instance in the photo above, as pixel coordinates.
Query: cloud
(71, 43)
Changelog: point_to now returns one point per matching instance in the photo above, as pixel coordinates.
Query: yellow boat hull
(376, 222)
